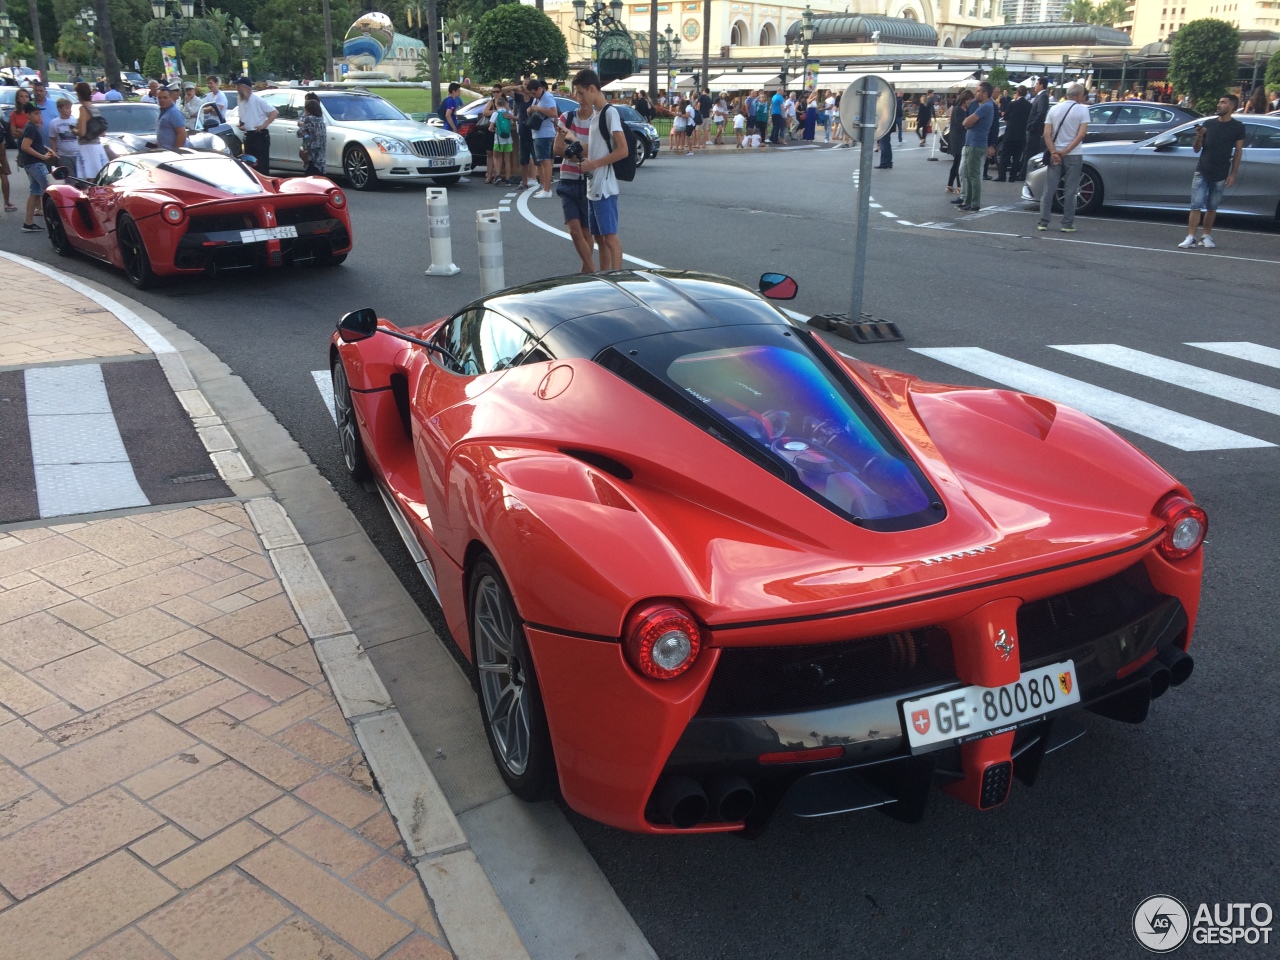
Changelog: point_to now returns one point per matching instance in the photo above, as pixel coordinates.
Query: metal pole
(442, 264)
(867, 126)
(489, 247)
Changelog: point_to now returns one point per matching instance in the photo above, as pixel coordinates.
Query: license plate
(442, 162)
(268, 233)
(971, 713)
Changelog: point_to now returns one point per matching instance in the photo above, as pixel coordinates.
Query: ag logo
(1161, 924)
(1004, 643)
(920, 720)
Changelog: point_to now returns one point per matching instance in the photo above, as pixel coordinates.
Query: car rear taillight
(172, 213)
(662, 640)
(1185, 527)
(337, 198)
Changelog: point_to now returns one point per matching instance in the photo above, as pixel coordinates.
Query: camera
(573, 150)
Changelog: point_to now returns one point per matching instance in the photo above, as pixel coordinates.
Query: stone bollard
(442, 264)
(489, 243)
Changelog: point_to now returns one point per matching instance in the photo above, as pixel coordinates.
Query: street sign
(886, 107)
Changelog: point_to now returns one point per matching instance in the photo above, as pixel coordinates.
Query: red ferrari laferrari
(704, 565)
(166, 212)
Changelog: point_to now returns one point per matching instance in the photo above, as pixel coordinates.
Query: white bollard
(489, 244)
(933, 151)
(442, 264)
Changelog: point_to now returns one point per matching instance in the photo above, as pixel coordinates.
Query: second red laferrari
(162, 213)
(704, 565)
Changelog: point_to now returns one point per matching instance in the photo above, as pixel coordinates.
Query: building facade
(1155, 20)
(1033, 11)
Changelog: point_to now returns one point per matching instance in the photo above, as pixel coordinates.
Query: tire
(507, 689)
(57, 230)
(1088, 194)
(133, 253)
(446, 181)
(358, 169)
(641, 153)
(348, 429)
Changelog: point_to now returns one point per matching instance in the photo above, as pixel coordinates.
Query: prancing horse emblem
(1004, 643)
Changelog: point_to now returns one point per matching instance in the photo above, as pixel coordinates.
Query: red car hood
(1026, 486)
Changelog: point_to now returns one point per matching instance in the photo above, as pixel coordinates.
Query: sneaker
(10, 208)
(543, 195)
(957, 202)
(689, 153)
(32, 228)
(1207, 242)
(965, 207)
(1067, 230)
(1188, 243)
(1042, 226)
(464, 180)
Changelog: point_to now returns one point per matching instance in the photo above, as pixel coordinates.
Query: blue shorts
(573, 199)
(542, 149)
(1206, 194)
(602, 216)
(38, 174)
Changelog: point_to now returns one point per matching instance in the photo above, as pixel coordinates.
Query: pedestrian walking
(604, 148)
(981, 115)
(1064, 130)
(573, 135)
(542, 113)
(898, 116)
(33, 155)
(719, 113)
(1034, 137)
(924, 119)
(789, 116)
(884, 146)
(311, 130)
(91, 157)
(955, 139)
(1014, 142)
(1220, 143)
(255, 116)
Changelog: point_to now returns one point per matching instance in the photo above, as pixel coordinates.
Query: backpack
(624, 169)
(762, 110)
(502, 124)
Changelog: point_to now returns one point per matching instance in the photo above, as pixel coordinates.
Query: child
(63, 138)
(504, 157)
(677, 130)
(34, 155)
(739, 126)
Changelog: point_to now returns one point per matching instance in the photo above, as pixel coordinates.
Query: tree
(73, 45)
(293, 37)
(1110, 12)
(1078, 11)
(1203, 63)
(107, 39)
(998, 77)
(153, 64)
(513, 40)
(198, 52)
(1272, 81)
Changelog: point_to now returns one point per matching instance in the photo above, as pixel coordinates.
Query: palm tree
(1079, 11)
(1111, 12)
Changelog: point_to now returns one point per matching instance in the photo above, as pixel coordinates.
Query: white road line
(80, 461)
(886, 213)
(324, 383)
(1145, 419)
(1174, 250)
(1209, 382)
(1243, 350)
(523, 206)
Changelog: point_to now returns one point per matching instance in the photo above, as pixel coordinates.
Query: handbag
(534, 120)
(482, 124)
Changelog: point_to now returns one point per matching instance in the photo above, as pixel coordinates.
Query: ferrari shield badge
(1064, 681)
(920, 720)
(1004, 643)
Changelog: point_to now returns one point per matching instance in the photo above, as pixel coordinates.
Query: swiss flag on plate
(920, 720)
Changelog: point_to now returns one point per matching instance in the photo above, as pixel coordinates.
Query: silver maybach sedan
(1156, 173)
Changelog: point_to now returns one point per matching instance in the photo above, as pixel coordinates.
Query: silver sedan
(1155, 174)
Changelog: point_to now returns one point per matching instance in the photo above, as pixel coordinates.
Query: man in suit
(1015, 136)
(1034, 137)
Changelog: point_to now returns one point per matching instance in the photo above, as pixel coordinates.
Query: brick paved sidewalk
(176, 777)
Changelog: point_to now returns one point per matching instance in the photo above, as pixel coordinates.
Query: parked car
(647, 139)
(162, 213)
(793, 579)
(1156, 173)
(369, 140)
(1133, 120)
(135, 80)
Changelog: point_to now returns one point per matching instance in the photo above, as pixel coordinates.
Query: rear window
(225, 174)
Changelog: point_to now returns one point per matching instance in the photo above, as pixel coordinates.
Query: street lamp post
(806, 37)
(1066, 59)
(86, 19)
(245, 37)
(786, 65)
(596, 21)
(1124, 76)
(669, 47)
(185, 10)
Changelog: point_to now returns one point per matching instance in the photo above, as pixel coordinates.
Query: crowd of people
(757, 118)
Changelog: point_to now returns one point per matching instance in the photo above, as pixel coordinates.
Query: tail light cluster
(1185, 527)
(172, 213)
(662, 639)
(337, 198)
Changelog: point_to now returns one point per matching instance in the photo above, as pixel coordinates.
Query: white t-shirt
(601, 182)
(254, 111)
(789, 109)
(219, 98)
(690, 116)
(739, 121)
(1064, 121)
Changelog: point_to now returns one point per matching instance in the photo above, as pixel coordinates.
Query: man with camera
(604, 148)
(573, 132)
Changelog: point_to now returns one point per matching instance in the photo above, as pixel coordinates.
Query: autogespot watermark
(1162, 924)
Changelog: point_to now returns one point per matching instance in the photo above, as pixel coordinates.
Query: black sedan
(647, 139)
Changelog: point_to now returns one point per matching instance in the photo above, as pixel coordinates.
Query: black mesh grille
(222, 222)
(292, 216)
(1059, 623)
(761, 680)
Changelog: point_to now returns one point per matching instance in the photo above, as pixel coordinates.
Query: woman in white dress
(92, 158)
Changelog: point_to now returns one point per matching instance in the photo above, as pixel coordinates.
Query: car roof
(578, 316)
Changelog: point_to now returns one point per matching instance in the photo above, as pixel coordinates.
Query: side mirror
(778, 286)
(58, 173)
(358, 325)
(1165, 143)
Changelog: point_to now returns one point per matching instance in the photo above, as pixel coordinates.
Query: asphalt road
(1183, 805)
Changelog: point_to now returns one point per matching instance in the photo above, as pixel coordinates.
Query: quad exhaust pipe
(682, 801)
(1180, 664)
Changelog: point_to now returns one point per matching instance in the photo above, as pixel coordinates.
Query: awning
(904, 81)
(741, 81)
(636, 82)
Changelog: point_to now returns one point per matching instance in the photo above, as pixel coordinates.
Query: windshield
(133, 118)
(348, 109)
(225, 174)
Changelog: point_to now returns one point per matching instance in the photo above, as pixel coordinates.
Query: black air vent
(601, 462)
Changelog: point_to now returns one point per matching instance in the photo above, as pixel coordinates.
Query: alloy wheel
(348, 430)
(502, 675)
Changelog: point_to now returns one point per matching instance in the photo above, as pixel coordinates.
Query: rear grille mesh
(221, 223)
(292, 216)
(435, 148)
(763, 680)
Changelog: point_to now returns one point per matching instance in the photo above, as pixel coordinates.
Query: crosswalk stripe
(1243, 350)
(324, 383)
(1186, 375)
(1145, 419)
(79, 457)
